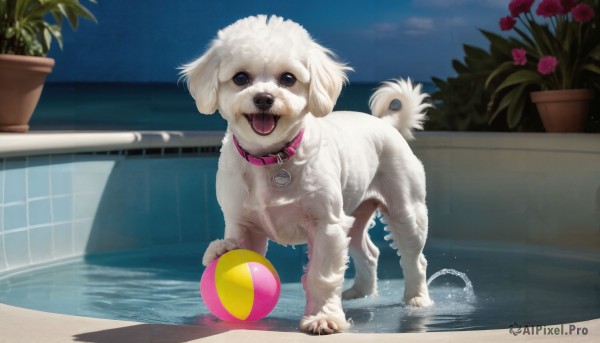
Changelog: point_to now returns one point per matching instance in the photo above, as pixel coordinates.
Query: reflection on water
(161, 285)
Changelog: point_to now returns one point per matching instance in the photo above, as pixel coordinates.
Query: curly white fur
(411, 115)
(348, 165)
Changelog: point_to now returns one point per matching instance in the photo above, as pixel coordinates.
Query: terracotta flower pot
(21, 82)
(563, 110)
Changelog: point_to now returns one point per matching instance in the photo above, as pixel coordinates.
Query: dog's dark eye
(287, 79)
(241, 79)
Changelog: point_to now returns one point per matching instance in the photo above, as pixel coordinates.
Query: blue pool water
(512, 284)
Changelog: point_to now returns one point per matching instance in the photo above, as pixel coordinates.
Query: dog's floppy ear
(202, 80)
(327, 76)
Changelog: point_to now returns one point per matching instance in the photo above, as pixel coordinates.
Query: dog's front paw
(322, 324)
(217, 248)
(419, 301)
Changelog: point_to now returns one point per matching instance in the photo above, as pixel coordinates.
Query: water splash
(468, 289)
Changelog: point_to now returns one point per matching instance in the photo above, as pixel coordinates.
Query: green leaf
(504, 103)
(72, 17)
(459, 67)
(508, 65)
(549, 45)
(47, 40)
(85, 13)
(55, 31)
(516, 107)
(59, 13)
(474, 52)
(595, 53)
(10, 33)
(498, 42)
(594, 68)
(25, 25)
(523, 76)
(525, 40)
(438, 82)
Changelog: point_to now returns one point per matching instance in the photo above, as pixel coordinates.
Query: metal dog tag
(282, 178)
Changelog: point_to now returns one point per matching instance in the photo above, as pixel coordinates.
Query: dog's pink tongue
(263, 123)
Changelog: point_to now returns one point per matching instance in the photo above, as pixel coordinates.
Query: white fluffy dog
(293, 172)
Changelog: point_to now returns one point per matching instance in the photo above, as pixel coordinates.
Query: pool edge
(39, 143)
(23, 325)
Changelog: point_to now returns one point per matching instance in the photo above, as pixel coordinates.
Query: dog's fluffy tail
(400, 103)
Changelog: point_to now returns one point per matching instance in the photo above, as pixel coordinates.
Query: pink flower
(507, 23)
(583, 13)
(567, 5)
(549, 8)
(517, 7)
(547, 65)
(519, 56)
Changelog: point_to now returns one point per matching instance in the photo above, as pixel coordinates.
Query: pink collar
(283, 155)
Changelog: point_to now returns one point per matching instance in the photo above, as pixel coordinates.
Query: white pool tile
(81, 231)
(85, 205)
(41, 244)
(16, 245)
(63, 240)
(38, 176)
(15, 180)
(61, 175)
(39, 212)
(3, 265)
(2, 161)
(62, 208)
(15, 216)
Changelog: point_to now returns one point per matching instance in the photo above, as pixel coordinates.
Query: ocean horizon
(148, 106)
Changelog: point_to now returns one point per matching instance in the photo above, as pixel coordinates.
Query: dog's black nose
(263, 101)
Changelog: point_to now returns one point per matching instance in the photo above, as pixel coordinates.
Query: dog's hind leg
(363, 252)
(408, 229)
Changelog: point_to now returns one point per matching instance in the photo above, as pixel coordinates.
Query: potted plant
(557, 54)
(25, 38)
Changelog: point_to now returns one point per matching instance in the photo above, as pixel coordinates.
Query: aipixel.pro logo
(516, 329)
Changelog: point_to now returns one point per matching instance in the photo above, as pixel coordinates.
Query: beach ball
(241, 285)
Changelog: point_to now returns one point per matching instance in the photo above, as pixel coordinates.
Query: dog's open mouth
(262, 123)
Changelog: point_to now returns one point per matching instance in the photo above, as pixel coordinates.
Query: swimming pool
(160, 285)
(518, 213)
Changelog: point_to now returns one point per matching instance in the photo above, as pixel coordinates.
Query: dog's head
(264, 75)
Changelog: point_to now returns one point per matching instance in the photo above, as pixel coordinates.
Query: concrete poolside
(19, 325)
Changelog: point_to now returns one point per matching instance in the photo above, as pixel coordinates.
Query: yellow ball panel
(234, 284)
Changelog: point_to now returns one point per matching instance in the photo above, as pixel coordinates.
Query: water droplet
(468, 289)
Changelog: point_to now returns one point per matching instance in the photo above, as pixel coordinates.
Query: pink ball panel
(208, 291)
(267, 288)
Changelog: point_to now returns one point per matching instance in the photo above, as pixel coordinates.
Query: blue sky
(145, 40)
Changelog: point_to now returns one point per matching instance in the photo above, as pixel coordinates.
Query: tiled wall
(545, 196)
(58, 206)
(481, 188)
